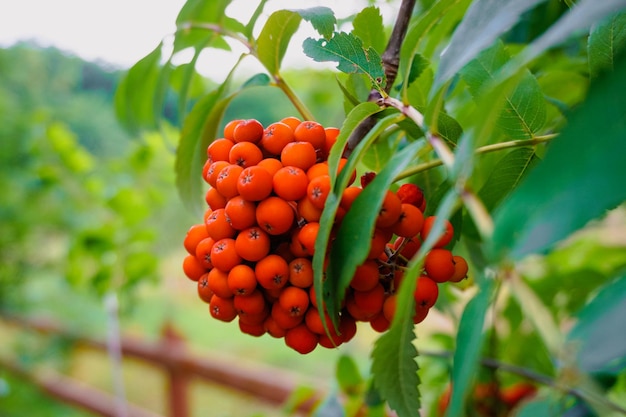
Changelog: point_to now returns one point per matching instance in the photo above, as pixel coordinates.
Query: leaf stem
(298, 104)
(482, 150)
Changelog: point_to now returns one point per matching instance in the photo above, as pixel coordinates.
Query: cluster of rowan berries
(251, 257)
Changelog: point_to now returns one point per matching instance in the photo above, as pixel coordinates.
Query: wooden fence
(176, 361)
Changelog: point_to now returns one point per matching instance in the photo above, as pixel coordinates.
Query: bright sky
(120, 32)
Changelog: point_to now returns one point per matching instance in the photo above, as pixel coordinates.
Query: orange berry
(294, 300)
(426, 292)
(313, 320)
(307, 236)
(213, 171)
(249, 130)
(271, 165)
(222, 308)
(218, 225)
(290, 183)
(319, 168)
(283, 318)
(379, 243)
(312, 132)
(370, 302)
(318, 190)
(366, 276)
(298, 154)
(460, 269)
(408, 247)
(389, 307)
(390, 210)
(219, 149)
(255, 183)
(301, 272)
(331, 138)
(252, 244)
(203, 252)
(218, 283)
(275, 137)
(446, 237)
(245, 154)
(214, 199)
(307, 211)
(241, 212)
(275, 215)
(227, 179)
(252, 329)
(380, 323)
(410, 222)
(291, 121)
(272, 328)
(349, 195)
(229, 129)
(301, 339)
(224, 256)
(193, 268)
(272, 271)
(241, 280)
(195, 235)
(252, 303)
(204, 291)
(439, 265)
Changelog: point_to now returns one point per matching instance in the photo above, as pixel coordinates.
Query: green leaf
(581, 17)
(274, 38)
(191, 152)
(395, 369)
(338, 184)
(582, 161)
(349, 377)
(524, 112)
(380, 152)
(416, 33)
(348, 51)
(506, 175)
(393, 358)
(538, 314)
(602, 348)
(368, 26)
(606, 41)
(200, 12)
(469, 341)
(322, 18)
(484, 21)
(448, 128)
(349, 249)
(136, 95)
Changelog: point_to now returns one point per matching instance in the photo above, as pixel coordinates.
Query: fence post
(172, 343)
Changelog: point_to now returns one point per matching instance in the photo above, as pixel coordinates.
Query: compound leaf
(395, 369)
(546, 207)
(484, 21)
(524, 111)
(348, 51)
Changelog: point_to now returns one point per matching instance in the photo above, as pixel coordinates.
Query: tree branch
(391, 61)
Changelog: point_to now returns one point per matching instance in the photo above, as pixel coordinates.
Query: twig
(483, 149)
(391, 61)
